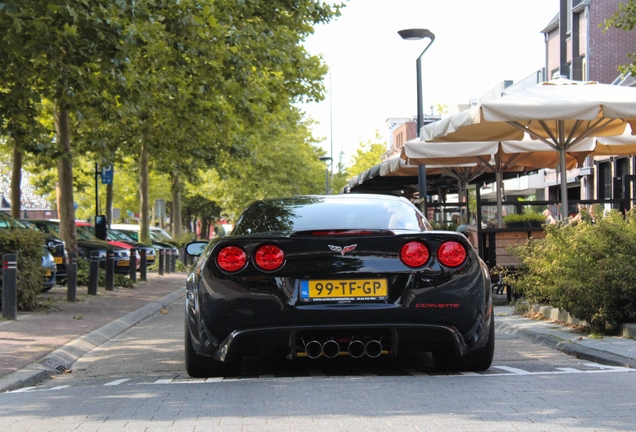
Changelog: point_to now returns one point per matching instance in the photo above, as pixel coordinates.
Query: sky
(478, 44)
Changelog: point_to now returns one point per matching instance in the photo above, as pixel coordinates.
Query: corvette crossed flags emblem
(342, 250)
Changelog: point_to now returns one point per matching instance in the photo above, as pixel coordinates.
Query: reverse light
(414, 254)
(231, 258)
(451, 254)
(269, 257)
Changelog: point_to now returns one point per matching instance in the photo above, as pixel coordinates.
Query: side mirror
(195, 248)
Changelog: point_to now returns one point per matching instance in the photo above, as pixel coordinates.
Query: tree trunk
(65, 175)
(16, 181)
(144, 236)
(109, 203)
(177, 224)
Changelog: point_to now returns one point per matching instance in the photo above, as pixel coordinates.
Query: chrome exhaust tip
(373, 348)
(313, 349)
(356, 348)
(331, 348)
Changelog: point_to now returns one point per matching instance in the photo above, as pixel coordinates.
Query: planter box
(505, 239)
(527, 224)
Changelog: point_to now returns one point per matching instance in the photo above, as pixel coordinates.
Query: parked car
(50, 246)
(50, 269)
(159, 238)
(87, 232)
(120, 236)
(56, 247)
(86, 243)
(359, 275)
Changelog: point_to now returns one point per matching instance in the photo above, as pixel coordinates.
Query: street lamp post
(419, 34)
(326, 159)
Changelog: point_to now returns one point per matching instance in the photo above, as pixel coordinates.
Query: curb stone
(62, 358)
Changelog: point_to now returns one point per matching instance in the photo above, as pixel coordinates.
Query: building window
(604, 181)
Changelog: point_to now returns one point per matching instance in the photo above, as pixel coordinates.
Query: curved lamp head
(416, 34)
(325, 158)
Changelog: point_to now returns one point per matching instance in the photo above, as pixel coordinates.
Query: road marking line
(164, 381)
(215, 379)
(58, 387)
(22, 390)
(570, 370)
(117, 382)
(513, 370)
(470, 374)
(606, 367)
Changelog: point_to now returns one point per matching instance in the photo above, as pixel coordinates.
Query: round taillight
(451, 254)
(269, 257)
(414, 254)
(231, 258)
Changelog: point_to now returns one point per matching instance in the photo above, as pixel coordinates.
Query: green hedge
(27, 245)
(587, 269)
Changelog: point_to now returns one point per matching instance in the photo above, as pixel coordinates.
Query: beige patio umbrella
(496, 157)
(559, 113)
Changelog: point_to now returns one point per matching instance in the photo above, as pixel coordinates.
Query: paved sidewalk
(43, 343)
(610, 350)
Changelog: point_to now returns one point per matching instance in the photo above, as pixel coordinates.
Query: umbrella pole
(499, 180)
(460, 200)
(564, 184)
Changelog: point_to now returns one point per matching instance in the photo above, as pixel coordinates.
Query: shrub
(27, 245)
(586, 269)
(525, 217)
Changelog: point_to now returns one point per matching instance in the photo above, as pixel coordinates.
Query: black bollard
(132, 271)
(173, 262)
(184, 256)
(71, 277)
(166, 266)
(143, 265)
(10, 286)
(110, 270)
(93, 276)
(162, 255)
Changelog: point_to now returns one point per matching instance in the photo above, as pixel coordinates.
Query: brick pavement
(35, 334)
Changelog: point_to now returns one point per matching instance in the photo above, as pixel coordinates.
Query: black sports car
(326, 276)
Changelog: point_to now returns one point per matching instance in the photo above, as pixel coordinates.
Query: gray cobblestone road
(136, 382)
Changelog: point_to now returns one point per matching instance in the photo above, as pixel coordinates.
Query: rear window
(320, 214)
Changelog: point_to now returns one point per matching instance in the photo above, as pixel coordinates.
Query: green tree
(368, 154)
(75, 49)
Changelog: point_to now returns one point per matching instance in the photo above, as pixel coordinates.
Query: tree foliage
(368, 154)
(187, 88)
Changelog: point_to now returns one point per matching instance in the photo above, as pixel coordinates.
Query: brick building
(592, 54)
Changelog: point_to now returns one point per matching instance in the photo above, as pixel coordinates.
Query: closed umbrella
(560, 113)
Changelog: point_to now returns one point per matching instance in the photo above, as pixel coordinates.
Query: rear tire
(198, 366)
(475, 361)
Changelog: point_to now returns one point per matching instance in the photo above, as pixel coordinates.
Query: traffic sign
(107, 174)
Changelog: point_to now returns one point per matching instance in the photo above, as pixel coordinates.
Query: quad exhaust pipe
(331, 348)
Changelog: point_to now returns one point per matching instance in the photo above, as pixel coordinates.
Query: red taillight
(414, 254)
(451, 254)
(231, 258)
(269, 257)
